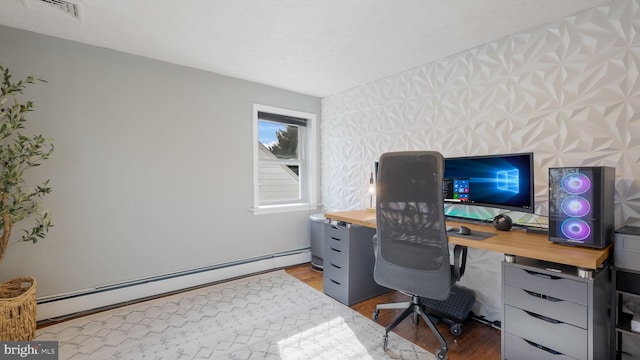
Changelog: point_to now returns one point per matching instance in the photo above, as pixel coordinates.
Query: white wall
(568, 91)
(152, 171)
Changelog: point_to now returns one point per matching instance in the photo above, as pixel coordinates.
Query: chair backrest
(412, 248)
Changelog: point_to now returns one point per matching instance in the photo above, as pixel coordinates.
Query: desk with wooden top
(555, 302)
(515, 242)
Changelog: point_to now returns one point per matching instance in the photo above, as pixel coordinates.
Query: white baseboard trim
(54, 307)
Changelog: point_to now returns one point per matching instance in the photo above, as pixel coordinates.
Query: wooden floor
(477, 341)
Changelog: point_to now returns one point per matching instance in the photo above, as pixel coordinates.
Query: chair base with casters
(413, 308)
(453, 311)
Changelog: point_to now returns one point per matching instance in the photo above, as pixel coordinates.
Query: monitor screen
(500, 181)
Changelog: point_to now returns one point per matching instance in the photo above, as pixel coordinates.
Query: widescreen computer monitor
(500, 181)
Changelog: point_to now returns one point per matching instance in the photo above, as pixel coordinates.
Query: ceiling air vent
(68, 7)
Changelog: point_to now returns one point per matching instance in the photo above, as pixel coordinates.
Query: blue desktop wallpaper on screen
(492, 180)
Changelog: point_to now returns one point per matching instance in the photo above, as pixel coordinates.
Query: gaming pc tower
(581, 201)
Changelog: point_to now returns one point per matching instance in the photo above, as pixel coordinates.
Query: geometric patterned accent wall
(568, 91)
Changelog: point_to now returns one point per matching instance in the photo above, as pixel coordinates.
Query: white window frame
(308, 174)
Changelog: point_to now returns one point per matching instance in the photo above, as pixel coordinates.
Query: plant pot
(18, 309)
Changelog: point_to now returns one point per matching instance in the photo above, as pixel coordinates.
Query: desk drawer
(516, 348)
(337, 231)
(541, 304)
(336, 252)
(338, 290)
(338, 244)
(335, 272)
(564, 338)
(547, 284)
(336, 261)
(335, 280)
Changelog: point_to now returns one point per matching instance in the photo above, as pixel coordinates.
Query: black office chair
(411, 244)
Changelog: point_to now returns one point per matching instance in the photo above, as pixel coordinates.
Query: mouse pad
(475, 235)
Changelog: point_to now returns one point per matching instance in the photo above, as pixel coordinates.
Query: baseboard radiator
(66, 305)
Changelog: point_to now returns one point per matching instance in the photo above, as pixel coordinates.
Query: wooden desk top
(514, 242)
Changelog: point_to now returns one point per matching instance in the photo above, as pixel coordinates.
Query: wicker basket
(18, 309)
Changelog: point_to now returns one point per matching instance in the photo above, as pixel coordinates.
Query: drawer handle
(546, 276)
(340, 225)
(335, 282)
(541, 296)
(334, 249)
(336, 266)
(542, 317)
(544, 348)
(336, 239)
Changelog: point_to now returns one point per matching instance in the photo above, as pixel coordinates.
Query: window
(284, 159)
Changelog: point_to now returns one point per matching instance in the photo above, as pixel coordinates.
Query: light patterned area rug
(267, 316)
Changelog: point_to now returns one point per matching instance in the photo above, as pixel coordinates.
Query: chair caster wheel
(374, 317)
(456, 329)
(385, 342)
(441, 354)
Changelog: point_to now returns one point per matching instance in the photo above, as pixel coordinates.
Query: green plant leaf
(18, 153)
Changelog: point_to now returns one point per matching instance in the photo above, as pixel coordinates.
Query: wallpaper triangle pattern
(568, 91)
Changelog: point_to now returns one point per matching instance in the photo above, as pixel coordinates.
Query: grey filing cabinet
(627, 288)
(627, 285)
(549, 312)
(348, 263)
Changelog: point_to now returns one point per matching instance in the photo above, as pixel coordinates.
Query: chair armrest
(459, 261)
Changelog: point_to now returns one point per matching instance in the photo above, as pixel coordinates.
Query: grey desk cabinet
(627, 287)
(551, 313)
(348, 263)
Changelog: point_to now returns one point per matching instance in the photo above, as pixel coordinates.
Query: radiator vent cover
(68, 7)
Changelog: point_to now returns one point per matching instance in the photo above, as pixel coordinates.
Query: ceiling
(315, 47)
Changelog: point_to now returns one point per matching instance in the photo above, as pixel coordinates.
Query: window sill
(282, 208)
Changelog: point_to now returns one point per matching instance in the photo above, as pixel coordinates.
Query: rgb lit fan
(576, 183)
(575, 206)
(575, 229)
(581, 203)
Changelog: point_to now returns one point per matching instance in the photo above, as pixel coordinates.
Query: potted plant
(18, 153)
